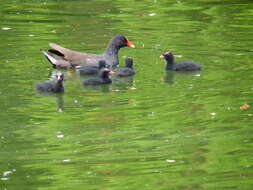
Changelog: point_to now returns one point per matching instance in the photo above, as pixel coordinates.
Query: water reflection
(60, 102)
(169, 77)
(122, 83)
(98, 88)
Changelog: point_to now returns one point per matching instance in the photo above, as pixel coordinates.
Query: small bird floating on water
(54, 86)
(103, 78)
(183, 66)
(127, 70)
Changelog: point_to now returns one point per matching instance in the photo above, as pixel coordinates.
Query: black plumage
(91, 70)
(103, 78)
(54, 86)
(127, 70)
(183, 66)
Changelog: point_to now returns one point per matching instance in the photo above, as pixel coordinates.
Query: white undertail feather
(50, 58)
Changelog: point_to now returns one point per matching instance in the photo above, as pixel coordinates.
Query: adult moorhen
(103, 78)
(55, 86)
(91, 70)
(127, 70)
(61, 57)
(183, 66)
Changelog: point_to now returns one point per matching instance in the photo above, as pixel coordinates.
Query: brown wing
(74, 57)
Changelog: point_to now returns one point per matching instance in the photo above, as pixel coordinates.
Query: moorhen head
(120, 41)
(168, 56)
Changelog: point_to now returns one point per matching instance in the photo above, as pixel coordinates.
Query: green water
(158, 130)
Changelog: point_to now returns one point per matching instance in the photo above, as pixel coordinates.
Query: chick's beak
(162, 56)
(111, 73)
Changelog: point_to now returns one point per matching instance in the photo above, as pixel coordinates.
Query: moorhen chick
(91, 70)
(61, 57)
(54, 86)
(103, 78)
(183, 66)
(127, 70)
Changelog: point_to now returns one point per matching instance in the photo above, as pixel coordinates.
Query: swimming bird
(91, 70)
(183, 66)
(55, 85)
(61, 57)
(103, 78)
(127, 70)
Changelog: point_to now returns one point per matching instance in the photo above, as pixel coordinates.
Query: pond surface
(157, 130)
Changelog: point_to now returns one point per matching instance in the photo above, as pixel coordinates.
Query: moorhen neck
(183, 66)
(61, 57)
(127, 70)
(55, 86)
(91, 70)
(103, 78)
(112, 50)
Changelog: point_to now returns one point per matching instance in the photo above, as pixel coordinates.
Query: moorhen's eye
(125, 40)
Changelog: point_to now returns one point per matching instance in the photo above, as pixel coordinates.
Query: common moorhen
(103, 78)
(91, 70)
(183, 66)
(55, 86)
(61, 57)
(127, 70)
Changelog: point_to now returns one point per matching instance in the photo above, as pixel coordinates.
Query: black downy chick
(54, 86)
(91, 70)
(127, 70)
(103, 78)
(183, 66)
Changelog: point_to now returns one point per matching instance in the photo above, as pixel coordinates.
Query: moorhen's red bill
(61, 57)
